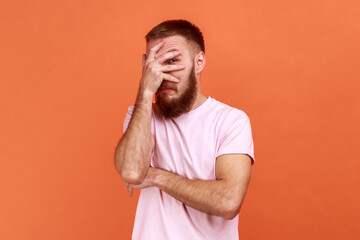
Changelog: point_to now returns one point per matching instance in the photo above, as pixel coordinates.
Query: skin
(221, 197)
(189, 55)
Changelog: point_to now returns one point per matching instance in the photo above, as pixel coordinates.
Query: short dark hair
(177, 27)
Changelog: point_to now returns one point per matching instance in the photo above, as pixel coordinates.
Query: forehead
(175, 42)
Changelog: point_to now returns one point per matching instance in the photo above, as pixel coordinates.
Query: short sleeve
(128, 117)
(238, 138)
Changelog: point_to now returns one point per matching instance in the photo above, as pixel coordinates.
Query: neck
(200, 99)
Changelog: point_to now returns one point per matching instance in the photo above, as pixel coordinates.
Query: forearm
(133, 153)
(210, 196)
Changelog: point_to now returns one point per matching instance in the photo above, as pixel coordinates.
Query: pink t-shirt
(189, 145)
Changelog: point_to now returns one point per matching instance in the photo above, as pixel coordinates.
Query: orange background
(69, 69)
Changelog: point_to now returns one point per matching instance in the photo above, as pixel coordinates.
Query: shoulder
(226, 112)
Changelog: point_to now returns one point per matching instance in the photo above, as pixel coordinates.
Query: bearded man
(190, 155)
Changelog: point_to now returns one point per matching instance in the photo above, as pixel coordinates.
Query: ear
(143, 59)
(200, 61)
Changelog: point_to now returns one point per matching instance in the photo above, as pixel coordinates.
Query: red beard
(175, 107)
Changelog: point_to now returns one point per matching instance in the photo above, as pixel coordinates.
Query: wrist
(144, 92)
(145, 97)
(159, 176)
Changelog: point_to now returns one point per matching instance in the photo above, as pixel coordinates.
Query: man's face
(174, 99)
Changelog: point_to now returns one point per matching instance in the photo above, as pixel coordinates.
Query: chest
(187, 149)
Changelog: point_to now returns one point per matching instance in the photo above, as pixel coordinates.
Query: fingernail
(178, 51)
(182, 65)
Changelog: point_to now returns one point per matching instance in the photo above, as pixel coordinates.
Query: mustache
(167, 85)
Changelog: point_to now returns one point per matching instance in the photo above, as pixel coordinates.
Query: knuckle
(153, 67)
(153, 70)
(148, 64)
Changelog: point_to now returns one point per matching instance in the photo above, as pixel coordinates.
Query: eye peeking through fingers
(170, 61)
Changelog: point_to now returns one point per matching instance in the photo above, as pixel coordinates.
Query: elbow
(132, 177)
(128, 175)
(229, 215)
(231, 210)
